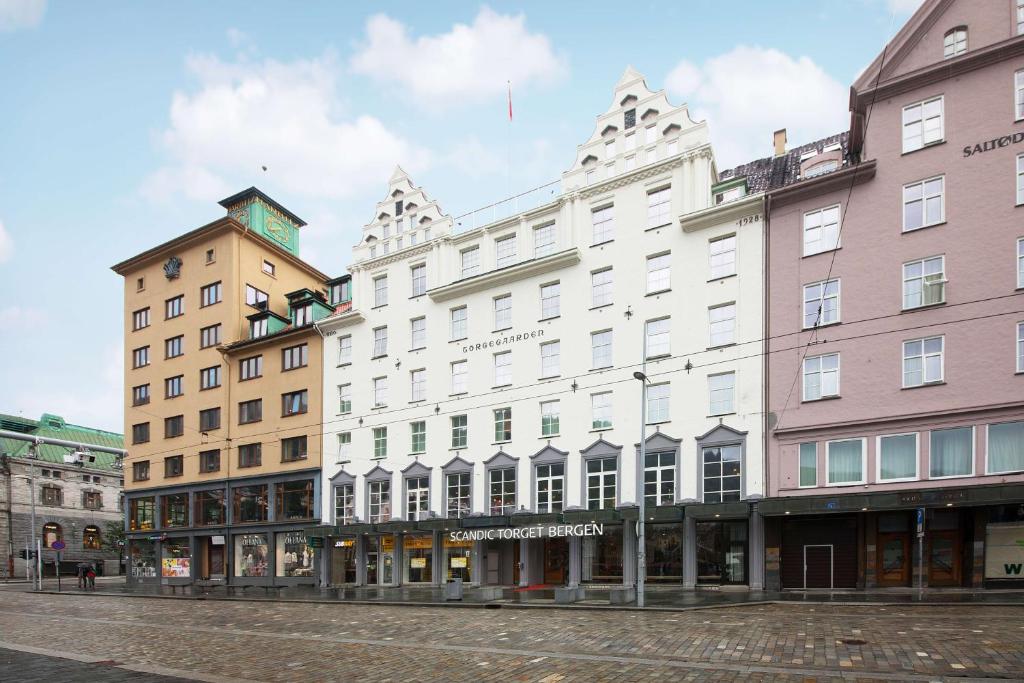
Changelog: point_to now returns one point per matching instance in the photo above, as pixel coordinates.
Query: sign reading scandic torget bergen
(537, 531)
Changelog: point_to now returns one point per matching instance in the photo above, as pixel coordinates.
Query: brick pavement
(336, 642)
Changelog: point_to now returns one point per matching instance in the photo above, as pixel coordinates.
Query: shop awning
(893, 500)
(583, 516)
(717, 510)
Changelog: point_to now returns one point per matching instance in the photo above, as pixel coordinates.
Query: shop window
(209, 508)
(142, 559)
(659, 478)
(294, 500)
(251, 555)
(418, 550)
(250, 503)
(550, 487)
(294, 556)
(664, 544)
(141, 513)
(91, 538)
(721, 476)
(175, 509)
(602, 557)
(52, 533)
(457, 559)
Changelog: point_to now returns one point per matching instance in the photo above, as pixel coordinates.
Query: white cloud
(18, 320)
(6, 244)
(469, 62)
(283, 115)
(904, 6)
(19, 14)
(749, 92)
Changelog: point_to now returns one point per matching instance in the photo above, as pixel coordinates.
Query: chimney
(780, 142)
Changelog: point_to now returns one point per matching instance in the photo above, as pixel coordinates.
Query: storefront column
(398, 563)
(476, 566)
(575, 561)
(524, 562)
(361, 560)
(755, 550)
(629, 554)
(438, 570)
(689, 553)
(979, 517)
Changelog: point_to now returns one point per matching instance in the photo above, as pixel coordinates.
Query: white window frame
(667, 398)
(719, 247)
(799, 464)
(505, 251)
(821, 376)
(345, 349)
(380, 392)
(459, 325)
(818, 215)
(988, 441)
(925, 282)
(863, 462)
(417, 385)
(878, 458)
(417, 500)
(920, 121)
(469, 261)
(344, 397)
(659, 479)
(604, 476)
(549, 507)
(598, 352)
(1018, 91)
(604, 403)
(502, 306)
(1020, 347)
(600, 291)
(974, 453)
(1020, 263)
(954, 42)
(552, 410)
(725, 326)
(602, 222)
(924, 202)
(551, 359)
(550, 300)
(504, 417)
(648, 346)
(380, 291)
(418, 333)
(821, 299)
(1020, 17)
(416, 431)
(659, 207)
(543, 240)
(344, 447)
(380, 442)
(460, 377)
(502, 365)
(418, 275)
(660, 275)
(924, 361)
(712, 412)
(461, 430)
(380, 341)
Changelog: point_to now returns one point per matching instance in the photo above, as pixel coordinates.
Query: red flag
(510, 100)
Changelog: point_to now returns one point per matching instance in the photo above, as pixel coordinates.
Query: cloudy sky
(122, 124)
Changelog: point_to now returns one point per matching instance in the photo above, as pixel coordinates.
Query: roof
(228, 202)
(287, 330)
(772, 173)
(55, 427)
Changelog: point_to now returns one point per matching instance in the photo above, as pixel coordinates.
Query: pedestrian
(80, 570)
(90, 574)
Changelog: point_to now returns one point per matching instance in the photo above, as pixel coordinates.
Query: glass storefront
(664, 549)
(294, 500)
(418, 550)
(380, 558)
(458, 559)
(174, 511)
(602, 557)
(142, 513)
(722, 552)
(251, 555)
(209, 508)
(142, 559)
(294, 557)
(250, 504)
(343, 561)
(175, 559)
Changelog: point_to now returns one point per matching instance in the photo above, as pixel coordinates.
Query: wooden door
(893, 561)
(216, 560)
(818, 567)
(944, 558)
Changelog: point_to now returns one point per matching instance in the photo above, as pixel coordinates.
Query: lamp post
(641, 553)
(37, 580)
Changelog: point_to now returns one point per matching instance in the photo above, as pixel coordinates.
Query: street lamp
(37, 579)
(641, 553)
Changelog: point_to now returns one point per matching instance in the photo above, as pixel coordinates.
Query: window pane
(1006, 447)
(808, 464)
(897, 458)
(952, 452)
(845, 461)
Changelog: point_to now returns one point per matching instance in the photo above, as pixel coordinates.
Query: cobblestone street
(235, 641)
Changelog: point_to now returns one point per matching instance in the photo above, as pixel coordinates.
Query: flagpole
(508, 171)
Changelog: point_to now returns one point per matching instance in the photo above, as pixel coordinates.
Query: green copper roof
(55, 427)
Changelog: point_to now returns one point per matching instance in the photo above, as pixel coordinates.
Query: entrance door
(893, 559)
(215, 558)
(944, 558)
(371, 568)
(722, 552)
(556, 560)
(818, 567)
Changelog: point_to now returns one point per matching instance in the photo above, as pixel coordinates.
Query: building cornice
(854, 174)
(269, 340)
(495, 278)
(345, 319)
(645, 172)
(388, 259)
(723, 213)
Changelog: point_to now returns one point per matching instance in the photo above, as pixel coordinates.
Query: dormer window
(399, 208)
(629, 118)
(731, 194)
(303, 314)
(955, 42)
(258, 328)
(341, 292)
(821, 168)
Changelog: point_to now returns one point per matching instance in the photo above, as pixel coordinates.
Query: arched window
(955, 42)
(51, 534)
(91, 537)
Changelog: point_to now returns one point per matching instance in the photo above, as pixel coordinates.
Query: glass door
(556, 560)
(371, 568)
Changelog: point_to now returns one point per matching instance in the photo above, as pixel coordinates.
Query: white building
(483, 380)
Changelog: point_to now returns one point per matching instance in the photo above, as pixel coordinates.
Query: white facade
(649, 173)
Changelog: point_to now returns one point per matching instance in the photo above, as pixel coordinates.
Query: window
(821, 304)
(503, 312)
(460, 431)
(659, 478)
(256, 298)
(601, 349)
(924, 282)
(1018, 92)
(628, 121)
(174, 466)
(209, 336)
(955, 42)
(821, 377)
(922, 124)
(922, 361)
(549, 418)
(923, 204)
(417, 498)
(91, 533)
(550, 487)
(293, 449)
(418, 273)
(344, 447)
(722, 255)
(460, 377)
(1005, 447)
(550, 300)
(951, 453)
(344, 504)
(458, 492)
(174, 426)
(470, 261)
(1020, 263)
(503, 369)
(209, 419)
(140, 395)
(295, 357)
(601, 288)
(503, 491)
(821, 230)
(210, 294)
(250, 411)
(209, 461)
(140, 357)
(721, 389)
(603, 221)
(1020, 17)
(601, 410)
(591, 176)
(844, 462)
(258, 328)
(294, 500)
(340, 292)
(550, 359)
(268, 267)
(380, 291)
(505, 251)
(722, 473)
(140, 471)
(211, 256)
(1020, 347)
(808, 465)
(601, 475)
(174, 346)
(897, 457)
(140, 319)
(459, 320)
(380, 442)
(418, 385)
(250, 368)
(629, 163)
(175, 306)
(657, 403)
(294, 402)
(656, 334)
(250, 505)
(344, 398)
(209, 378)
(659, 207)
(52, 495)
(544, 240)
(173, 386)
(380, 392)
(140, 284)
(345, 349)
(140, 433)
(502, 425)
(250, 455)
(380, 342)
(659, 270)
(722, 323)
(609, 149)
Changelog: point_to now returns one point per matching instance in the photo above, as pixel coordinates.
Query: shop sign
(315, 541)
(387, 544)
(157, 537)
(344, 543)
(216, 540)
(252, 539)
(504, 340)
(539, 531)
(418, 542)
(417, 563)
(293, 538)
(1004, 551)
(989, 145)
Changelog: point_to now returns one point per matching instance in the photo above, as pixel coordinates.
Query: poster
(1004, 551)
(459, 563)
(175, 567)
(418, 562)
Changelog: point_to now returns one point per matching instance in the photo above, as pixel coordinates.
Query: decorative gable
(549, 454)
(600, 448)
(457, 464)
(378, 473)
(342, 477)
(721, 434)
(416, 469)
(501, 459)
(661, 442)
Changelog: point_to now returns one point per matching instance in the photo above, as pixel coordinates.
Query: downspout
(766, 315)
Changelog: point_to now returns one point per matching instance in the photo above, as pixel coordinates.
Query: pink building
(895, 311)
